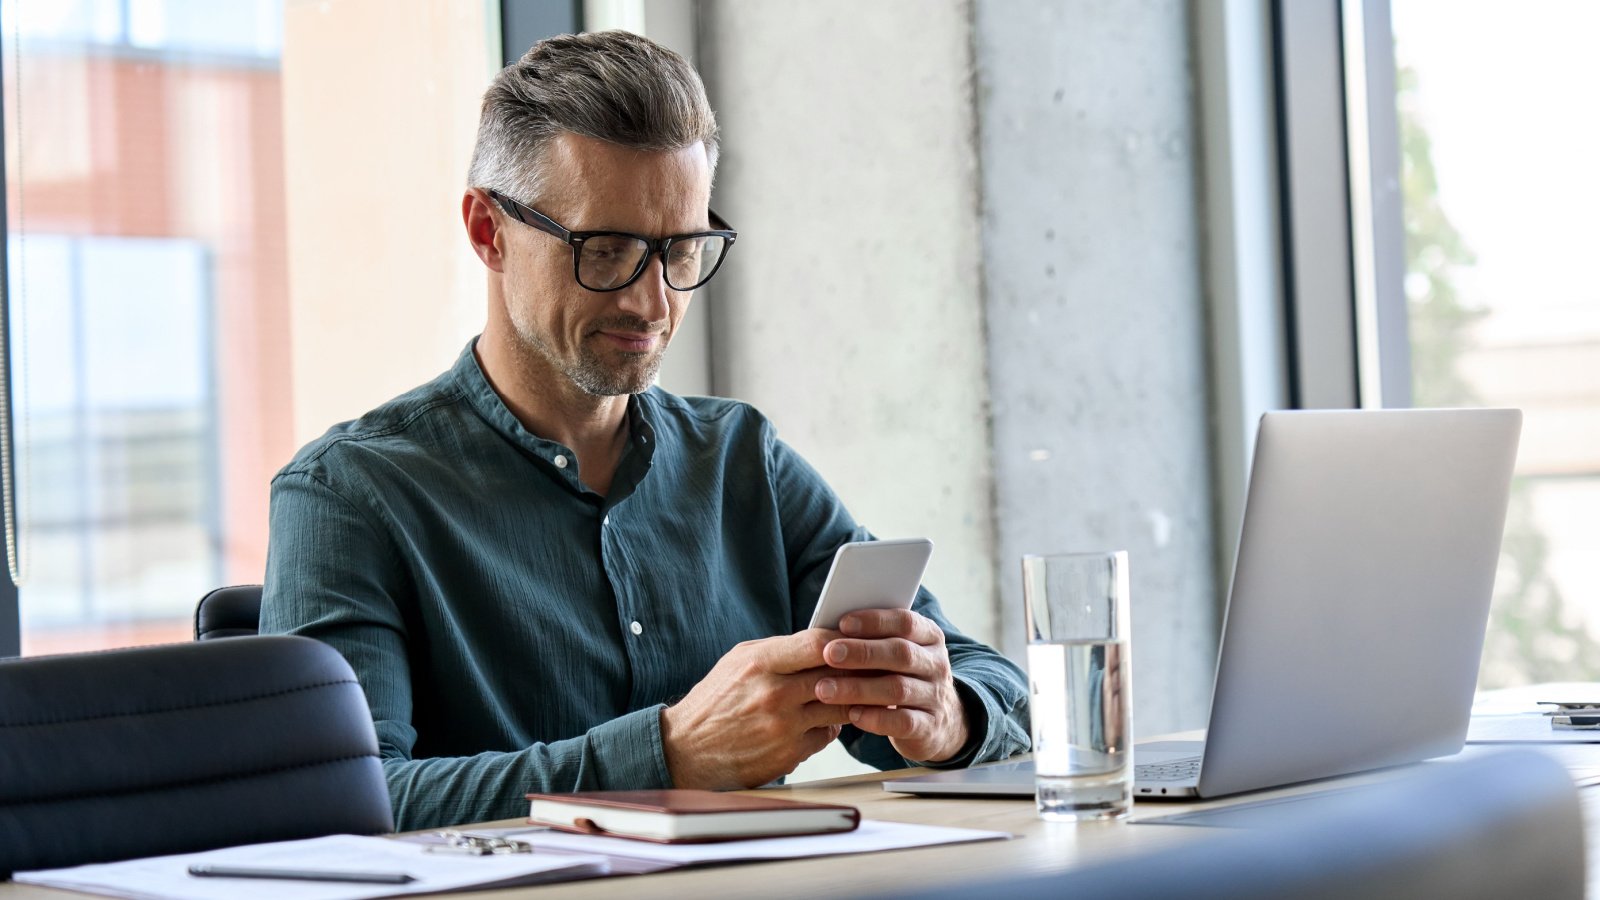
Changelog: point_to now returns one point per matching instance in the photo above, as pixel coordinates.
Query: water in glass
(1081, 728)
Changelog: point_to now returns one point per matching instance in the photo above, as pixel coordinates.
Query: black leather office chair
(182, 747)
(228, 612)
(1506, 825)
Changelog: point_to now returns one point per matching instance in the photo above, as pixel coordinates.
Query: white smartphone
(872, 575)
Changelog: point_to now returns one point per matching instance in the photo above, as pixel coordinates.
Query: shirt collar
(556, 458)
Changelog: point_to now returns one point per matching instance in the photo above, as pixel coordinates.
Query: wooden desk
(1039, 847)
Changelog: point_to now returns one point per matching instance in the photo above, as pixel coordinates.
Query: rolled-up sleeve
(993, 690)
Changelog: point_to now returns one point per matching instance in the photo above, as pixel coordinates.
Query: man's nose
(647, 296)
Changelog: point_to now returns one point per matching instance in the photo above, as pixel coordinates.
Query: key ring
(475, 845)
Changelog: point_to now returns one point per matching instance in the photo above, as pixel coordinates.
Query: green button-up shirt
(516, 632)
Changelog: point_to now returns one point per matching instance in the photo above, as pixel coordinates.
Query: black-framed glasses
(612, 260)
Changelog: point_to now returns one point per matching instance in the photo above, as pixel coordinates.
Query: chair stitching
(104, 651)
(177, 785)
(158, 711)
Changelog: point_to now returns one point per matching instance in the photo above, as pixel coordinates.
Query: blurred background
(1017, 275)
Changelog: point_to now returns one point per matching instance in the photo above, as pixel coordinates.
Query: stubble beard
(590, 372)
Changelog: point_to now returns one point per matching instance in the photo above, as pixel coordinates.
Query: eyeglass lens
(609, 261)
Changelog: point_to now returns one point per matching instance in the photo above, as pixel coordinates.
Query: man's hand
(896, 682)
(754, 717)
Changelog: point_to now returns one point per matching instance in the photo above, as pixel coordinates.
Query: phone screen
(872, 575)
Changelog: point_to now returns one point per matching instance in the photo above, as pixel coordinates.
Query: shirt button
(606, 520)
(561, 462)
(636, 628)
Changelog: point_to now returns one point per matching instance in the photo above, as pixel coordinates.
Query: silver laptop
(1355, 622)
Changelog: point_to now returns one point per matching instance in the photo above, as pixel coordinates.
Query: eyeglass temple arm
(529, 216)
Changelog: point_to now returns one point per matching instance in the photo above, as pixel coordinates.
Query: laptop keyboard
(1177, 770)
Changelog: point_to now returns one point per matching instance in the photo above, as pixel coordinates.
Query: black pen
(203, 871)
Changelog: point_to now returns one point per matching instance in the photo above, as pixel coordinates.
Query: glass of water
(1077, 615)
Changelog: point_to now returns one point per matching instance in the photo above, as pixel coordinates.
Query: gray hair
(612, 86)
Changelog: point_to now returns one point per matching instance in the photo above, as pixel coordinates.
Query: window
(1438, 217)
(148, 316)
(1500, 193)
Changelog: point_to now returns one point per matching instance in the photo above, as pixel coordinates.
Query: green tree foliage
(1533, 634)
(1434, 250)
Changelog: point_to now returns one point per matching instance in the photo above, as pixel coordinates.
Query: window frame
(10, 608)
(1305, 255)
(1343, 233)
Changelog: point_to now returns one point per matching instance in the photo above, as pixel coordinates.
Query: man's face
(603, 343)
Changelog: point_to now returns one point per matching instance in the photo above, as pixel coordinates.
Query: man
(550, 575)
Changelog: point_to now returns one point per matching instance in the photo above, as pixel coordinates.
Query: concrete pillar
(1096, 320)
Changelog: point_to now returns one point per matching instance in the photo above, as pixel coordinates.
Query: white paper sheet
(1524, 728)
(168, 878)
(870, 837)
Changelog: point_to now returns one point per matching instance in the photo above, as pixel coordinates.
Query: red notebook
(687, 816)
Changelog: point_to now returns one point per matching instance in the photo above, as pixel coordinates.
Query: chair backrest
(183, 747)
(1505, 825)
(228, 612)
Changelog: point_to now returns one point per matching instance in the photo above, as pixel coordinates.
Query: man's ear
(483, 228)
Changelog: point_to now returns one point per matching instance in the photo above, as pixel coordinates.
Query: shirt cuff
(628, 753)
(975, 705)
